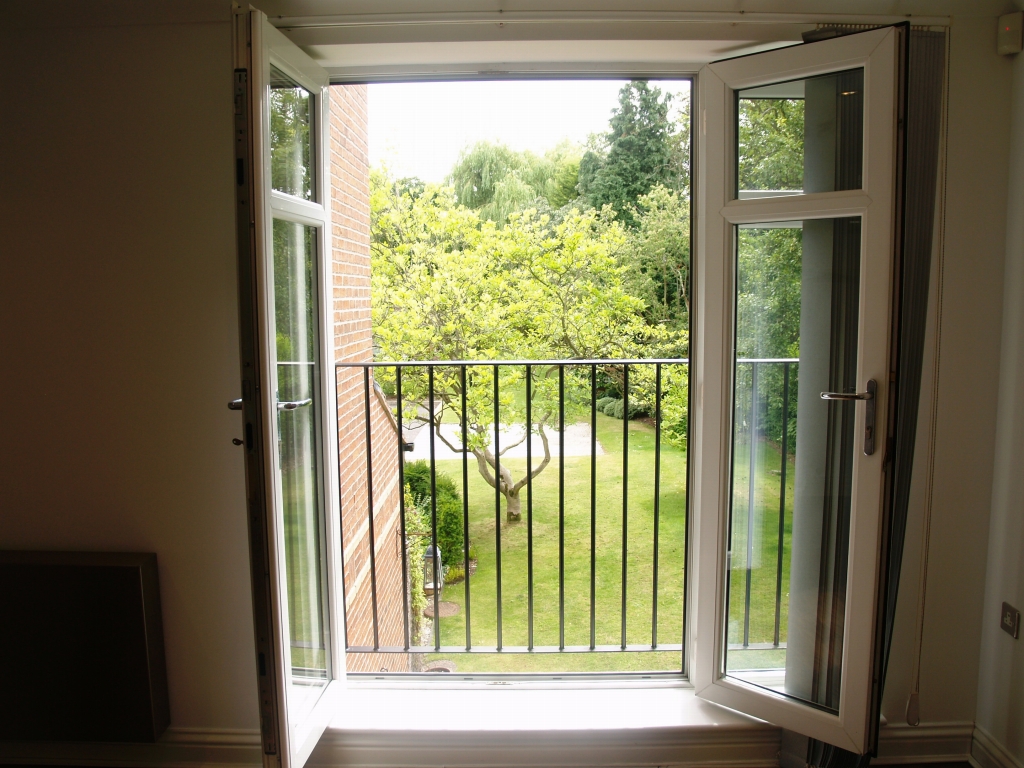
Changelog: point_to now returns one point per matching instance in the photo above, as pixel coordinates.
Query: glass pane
(796, 336)
(291, 149)
(298, 414)
(801, 136)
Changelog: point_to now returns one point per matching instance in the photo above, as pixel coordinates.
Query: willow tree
(448, 285)
(497, 181)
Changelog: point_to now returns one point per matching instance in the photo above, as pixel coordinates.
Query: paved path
(577, 442)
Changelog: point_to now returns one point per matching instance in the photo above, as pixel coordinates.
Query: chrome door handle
(291, 405)
(869, 411)
(869, 395)
(235, 405)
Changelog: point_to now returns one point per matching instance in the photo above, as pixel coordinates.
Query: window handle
(291, 405)
(869, 411)
(869, 395)
(288, 405)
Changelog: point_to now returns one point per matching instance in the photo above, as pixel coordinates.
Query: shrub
(417, 479)
(603, 401)
(615, 408)
(449, 526)
(450, 534)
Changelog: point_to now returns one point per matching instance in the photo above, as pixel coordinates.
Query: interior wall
(118, 329)
(118, 319)
(1001, 678)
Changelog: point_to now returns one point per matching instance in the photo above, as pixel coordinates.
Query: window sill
(518, 724)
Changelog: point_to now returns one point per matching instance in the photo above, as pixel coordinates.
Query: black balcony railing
(762, 403)
(454, 401)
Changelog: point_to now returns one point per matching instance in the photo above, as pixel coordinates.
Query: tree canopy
(640, 151)
(448, 285)
(496, 180)
(579, 253)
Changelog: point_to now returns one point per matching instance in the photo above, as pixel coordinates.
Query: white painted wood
(876, 52)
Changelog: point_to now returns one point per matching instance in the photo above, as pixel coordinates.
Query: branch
(485, 460)
(547, 460)
(443, 439)
(517, 443)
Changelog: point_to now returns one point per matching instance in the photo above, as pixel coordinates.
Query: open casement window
(797, 195)
(283, 220)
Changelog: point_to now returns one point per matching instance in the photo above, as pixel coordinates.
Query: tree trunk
(513, 507)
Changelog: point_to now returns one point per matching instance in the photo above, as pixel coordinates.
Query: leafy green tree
(658, 254)
(450, 286)
(497, 181)
(290, 118)
(768, 317)
(771, 144)
(640, 152)
(771, 157)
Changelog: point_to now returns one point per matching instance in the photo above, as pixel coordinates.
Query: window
(826, 216)
(491, 245)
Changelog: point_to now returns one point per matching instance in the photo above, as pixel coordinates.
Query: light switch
(1011, 33)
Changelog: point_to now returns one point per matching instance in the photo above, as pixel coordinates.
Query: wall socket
(1010, 621)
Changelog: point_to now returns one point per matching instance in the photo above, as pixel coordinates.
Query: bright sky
(418, 129)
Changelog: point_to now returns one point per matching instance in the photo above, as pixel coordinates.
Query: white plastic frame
(301, 723)
(717, 214)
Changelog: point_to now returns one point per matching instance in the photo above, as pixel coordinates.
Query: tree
(496, 181)
(290, 163)
(771, 157)
(450, 286)
(658, 254)
(640, 152)
(771, 144)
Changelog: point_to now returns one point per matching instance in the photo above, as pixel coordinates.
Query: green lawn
(304, 610)
(640, 553)
(763, 573)
(608, 593)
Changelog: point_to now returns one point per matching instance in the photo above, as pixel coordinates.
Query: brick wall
(350, 216)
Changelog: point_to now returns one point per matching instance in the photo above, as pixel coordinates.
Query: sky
(418, 129)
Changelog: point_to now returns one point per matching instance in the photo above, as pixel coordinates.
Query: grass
(608, 561)
(302, 543)
(765, 550)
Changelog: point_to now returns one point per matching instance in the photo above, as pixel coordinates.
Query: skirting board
(900, 744)
(178, 748)
(988, 753)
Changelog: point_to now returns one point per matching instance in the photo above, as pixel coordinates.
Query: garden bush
(614, 407)
(450, 534)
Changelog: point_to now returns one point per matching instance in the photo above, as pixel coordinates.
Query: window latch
(869, 413)
(291, 405)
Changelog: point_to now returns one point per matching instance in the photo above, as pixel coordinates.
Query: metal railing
(422, 391)
(457, 376)
(755, 411)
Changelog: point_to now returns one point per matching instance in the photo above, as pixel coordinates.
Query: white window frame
(710, 378)
(259, 47)
(720, 211)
